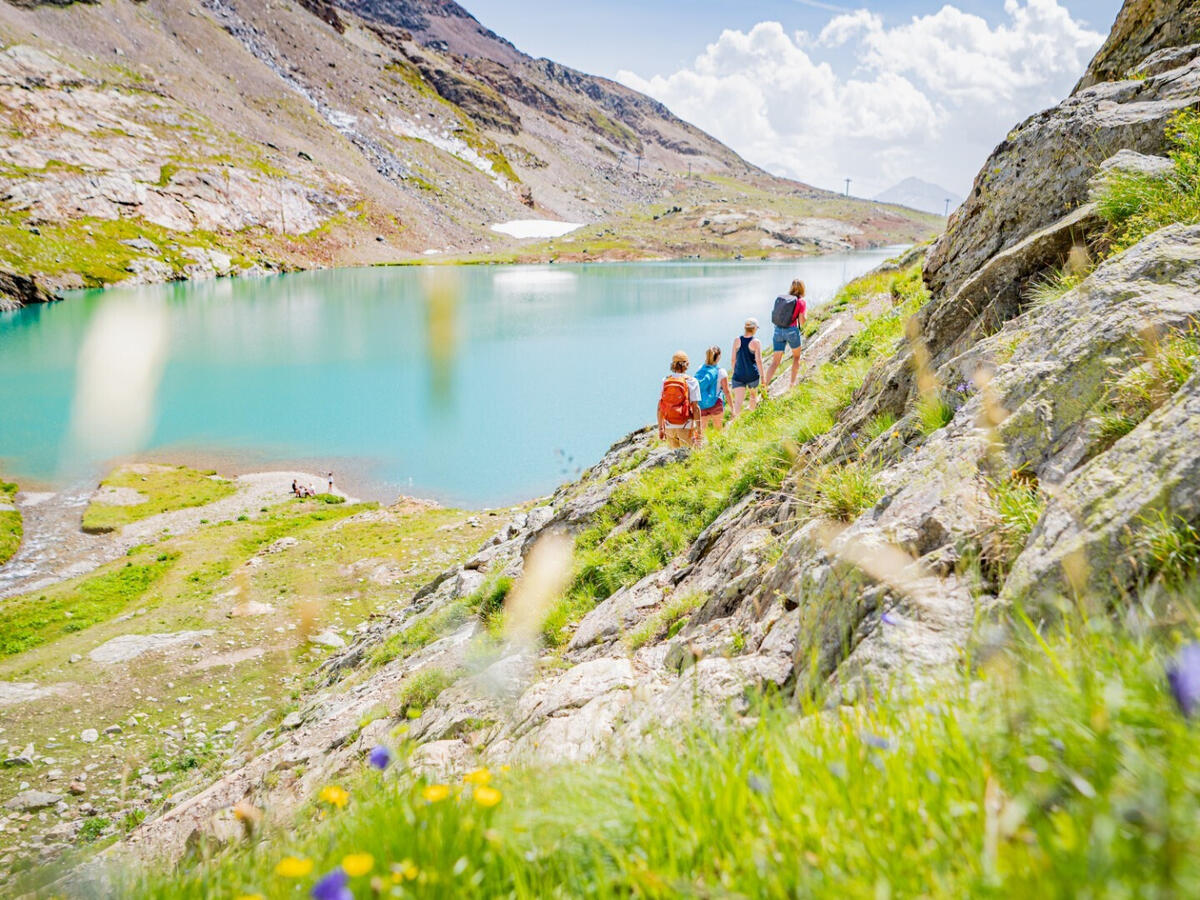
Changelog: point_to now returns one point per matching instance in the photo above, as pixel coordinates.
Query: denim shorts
(745, 384)
(788, 337)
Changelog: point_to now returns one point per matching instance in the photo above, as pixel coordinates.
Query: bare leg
(754, 399)
(773, 368)
(795, 366)
(739, 396)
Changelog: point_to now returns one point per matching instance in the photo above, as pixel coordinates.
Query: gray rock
(29, 801)
(131, 646)
(1040, 173)
(89, 735)
(1144, 28)
(327, 638)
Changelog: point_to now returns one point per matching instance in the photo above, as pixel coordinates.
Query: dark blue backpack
(709, 378)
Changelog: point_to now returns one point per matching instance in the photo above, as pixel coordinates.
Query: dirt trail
(55, 548)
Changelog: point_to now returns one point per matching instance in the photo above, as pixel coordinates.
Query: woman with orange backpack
(679, 406)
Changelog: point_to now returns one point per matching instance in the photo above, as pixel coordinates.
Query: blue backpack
(709, 378)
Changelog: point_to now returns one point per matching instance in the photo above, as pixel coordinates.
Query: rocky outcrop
(1041, 172)
(1143, 28)
(17, 291)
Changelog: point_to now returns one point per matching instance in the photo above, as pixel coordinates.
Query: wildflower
(1183, 674)
(487, 796)
(478, 777)
(293, 867)
(332, 887)
(380, 757)
(889, 619)
(334, 795)
(436, 792)
(249, 897)
(405, 870)
(878, 743)
(357, 864)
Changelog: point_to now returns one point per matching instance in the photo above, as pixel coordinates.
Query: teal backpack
(709, 378)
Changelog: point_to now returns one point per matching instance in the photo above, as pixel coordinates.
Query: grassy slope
(1056, 764)
(11, 529)
(165, 488)
(350, 562)
(1061, 765)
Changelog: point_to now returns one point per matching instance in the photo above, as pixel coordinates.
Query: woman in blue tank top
(747, 367)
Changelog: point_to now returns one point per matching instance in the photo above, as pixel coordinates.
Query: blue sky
(652, 37)
(818, 90)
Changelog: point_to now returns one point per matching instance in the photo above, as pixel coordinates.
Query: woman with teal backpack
(714, 392)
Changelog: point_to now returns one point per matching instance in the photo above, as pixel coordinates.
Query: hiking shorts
(745, 384)
(788, 337)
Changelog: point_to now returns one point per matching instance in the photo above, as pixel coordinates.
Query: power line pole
(639, 167)
(847, 187)
(947, 208)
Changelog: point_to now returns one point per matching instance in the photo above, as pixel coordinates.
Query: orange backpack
(675, 403)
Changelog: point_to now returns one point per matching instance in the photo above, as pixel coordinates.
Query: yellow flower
(293, 867)
(487, 796)
(436, 792)
(478, 777)
(356, 864)
(334, 795)
(250, 897)
(405, 871)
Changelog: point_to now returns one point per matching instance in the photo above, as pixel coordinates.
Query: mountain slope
(162, 139)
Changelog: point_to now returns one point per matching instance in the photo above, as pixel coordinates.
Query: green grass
(165, 489)
(422, 632)
(842, 492)
(1169, 549)
(422, 689)
(934, 413)
(11, 527)
(30, 621)
(1017, 503)
(1058, 768)
(1169, 362)
(1136, 205)
(666, 621)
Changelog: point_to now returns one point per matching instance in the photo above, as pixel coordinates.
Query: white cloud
(929, 97)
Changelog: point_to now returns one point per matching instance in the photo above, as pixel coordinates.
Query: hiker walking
(747, 367)
(787, 316)
(714, 392)
(679, 406)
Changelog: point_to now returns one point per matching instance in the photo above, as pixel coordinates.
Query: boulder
(131, 646)
(1040, 173)
(29, 801)
(1086, 542)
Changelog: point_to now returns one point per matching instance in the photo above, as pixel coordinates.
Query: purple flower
(889, 619)
(875, 741)
(380, 757)
(1183, 674)
(333, 886)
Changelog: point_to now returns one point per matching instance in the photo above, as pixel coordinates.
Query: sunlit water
(474, 385)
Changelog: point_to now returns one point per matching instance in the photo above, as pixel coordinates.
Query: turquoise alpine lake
(474, 385)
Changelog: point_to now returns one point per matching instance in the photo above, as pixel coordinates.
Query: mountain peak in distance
(923, 195)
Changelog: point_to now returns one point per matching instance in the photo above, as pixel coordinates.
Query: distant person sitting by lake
(714, 391)
(788, 315)
(747, 367)
(679, 406)
(295, 487)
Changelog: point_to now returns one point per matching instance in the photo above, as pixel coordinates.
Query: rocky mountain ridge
(155, 140)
